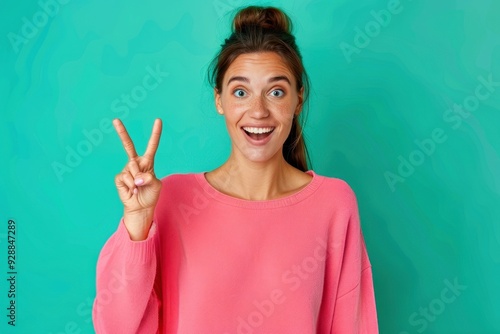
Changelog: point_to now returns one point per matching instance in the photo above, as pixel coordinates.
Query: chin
(260, 157)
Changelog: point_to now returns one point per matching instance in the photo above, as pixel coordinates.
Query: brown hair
(259, 29)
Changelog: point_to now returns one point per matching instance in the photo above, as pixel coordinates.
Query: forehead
(258, 64)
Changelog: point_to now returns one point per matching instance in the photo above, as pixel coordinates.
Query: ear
(218, 105)
(300, 103)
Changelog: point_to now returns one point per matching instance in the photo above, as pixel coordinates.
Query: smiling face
(259, 100)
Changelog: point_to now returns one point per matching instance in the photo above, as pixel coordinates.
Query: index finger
(154, 139)
(125, 138)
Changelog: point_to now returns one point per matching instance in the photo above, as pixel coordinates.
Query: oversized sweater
(213, 263)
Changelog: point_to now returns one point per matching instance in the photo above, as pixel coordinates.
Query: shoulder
(178, 188)
(176, 177)
(338, 190)
(178, 180)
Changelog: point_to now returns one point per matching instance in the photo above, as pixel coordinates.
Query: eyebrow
(273, 79)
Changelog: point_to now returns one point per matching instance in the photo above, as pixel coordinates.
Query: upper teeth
(257, 130)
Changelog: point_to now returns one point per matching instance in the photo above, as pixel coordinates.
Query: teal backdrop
(404, 106)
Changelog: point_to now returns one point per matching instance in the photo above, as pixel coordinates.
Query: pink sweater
(213, 263)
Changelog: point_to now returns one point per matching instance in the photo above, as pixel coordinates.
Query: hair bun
(265, 18)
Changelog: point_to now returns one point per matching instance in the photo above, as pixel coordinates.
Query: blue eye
(238, 92)
(278, 90)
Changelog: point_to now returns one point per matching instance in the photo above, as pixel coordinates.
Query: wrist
(138, 224)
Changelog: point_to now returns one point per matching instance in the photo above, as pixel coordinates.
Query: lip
(258, 142)
(257, 126)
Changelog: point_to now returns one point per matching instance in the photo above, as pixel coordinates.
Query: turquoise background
(434, 222)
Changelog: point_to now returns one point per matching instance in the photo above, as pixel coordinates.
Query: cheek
(234, 110)
(232, 116)
(285, 113)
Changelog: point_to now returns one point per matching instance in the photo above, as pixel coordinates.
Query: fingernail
(135, 191)
(138, 182)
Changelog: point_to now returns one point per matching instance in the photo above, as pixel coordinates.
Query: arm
(127, 285)
(355, 308)
(128, 281)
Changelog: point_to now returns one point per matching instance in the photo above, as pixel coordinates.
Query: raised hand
(137, 185)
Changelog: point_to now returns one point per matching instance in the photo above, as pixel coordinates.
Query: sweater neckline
(288, 200)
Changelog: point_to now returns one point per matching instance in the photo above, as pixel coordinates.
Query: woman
(261, 244)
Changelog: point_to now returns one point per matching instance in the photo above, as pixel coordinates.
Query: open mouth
(258, 133)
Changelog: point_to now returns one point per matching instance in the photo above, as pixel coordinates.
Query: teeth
(257, 130)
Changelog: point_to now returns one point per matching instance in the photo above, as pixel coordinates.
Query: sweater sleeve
(355, 308)
(127, 299)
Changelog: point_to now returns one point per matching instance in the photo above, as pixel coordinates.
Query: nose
(259, 107)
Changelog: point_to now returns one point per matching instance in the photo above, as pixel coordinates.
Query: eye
(279, 92)
(239, 93)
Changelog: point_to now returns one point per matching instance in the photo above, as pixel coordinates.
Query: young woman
(262, 244)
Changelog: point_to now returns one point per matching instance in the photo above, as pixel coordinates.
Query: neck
(255, 180)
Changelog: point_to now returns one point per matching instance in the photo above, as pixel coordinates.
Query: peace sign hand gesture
(137, 185)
